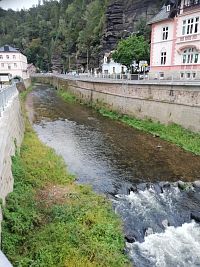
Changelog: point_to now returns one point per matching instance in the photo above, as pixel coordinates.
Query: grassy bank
(49, 221)
(173, 133)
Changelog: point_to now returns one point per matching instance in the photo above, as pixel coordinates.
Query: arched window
(190, 56)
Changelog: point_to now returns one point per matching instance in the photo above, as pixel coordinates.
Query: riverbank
(173, 133)
(51, 221)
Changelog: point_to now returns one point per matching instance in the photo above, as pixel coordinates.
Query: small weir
(138, 172)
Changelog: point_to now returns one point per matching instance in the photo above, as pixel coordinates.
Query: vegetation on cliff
(66, 34)
(55, 34)
(51, 221)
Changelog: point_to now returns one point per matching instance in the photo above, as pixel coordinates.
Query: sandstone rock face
(122, 18)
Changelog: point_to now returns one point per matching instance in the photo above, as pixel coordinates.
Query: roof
(162, 15)
(7, 48)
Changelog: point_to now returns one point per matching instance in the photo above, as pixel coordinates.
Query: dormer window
(168, 8)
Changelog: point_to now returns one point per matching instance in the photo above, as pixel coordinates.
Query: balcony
(190, 5)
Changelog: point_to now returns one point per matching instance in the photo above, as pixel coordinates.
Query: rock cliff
(122, 18)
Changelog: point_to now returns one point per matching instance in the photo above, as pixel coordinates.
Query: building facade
(111, 67)
(175, 41)
(12, 64)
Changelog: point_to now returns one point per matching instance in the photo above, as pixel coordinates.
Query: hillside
(61, 35)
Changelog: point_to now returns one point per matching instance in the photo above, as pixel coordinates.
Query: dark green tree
(134, 48)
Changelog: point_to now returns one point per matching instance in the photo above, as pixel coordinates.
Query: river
(114, 158)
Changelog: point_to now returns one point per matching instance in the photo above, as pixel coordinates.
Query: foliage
(130, 49)
(51, 221)
(53, 34)
(173, 133)
(67, 96)
(143, 28)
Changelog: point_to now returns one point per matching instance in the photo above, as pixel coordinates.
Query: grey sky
(17, 4)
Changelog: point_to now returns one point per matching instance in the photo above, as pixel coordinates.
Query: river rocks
(158, 189)
(149, 231)
(133, 189)
(195, 216)
(181, 185)
(142, 186)
(164, 185)
(130, 239)
(165, 223)
(196, 184)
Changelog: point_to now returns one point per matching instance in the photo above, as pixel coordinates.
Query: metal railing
(4, 261)
(6, 95)
(126, 78)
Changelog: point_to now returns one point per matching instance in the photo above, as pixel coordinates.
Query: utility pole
(87, 60)
(69, 63)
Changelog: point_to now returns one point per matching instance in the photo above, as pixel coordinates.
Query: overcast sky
(17, 4)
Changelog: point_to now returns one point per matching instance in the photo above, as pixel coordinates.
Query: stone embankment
(167, 103)
(11, 135)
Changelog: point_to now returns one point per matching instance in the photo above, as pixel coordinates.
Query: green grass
(67, 96)
(173, 133)
(49, 221)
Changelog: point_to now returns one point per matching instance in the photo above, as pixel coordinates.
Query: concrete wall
(11, 131)
(178, 104)
(27, 83)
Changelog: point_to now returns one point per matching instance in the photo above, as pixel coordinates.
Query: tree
(130, 49)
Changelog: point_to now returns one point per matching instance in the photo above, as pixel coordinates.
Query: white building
(111, 67)
(12, 64)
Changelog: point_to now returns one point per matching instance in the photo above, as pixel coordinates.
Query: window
(14, 57)
(194, 75)
(15, 65)
(7, 56)
(190, 26)
(9, 67)
(182, 75)
(168, 8)
(113, 69)
(161, 75)
(188, 75)
(163, 58)
(2, 65)
(190, 56)
(1, 57)
(165, 33)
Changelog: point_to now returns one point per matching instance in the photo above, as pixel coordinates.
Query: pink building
(175, 41)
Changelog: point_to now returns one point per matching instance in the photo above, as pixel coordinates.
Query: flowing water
(113, 158)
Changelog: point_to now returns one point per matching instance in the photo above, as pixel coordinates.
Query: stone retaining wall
(11, 135)
(166, 103)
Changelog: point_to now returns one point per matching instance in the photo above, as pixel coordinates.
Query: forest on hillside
(73, 34)
(56, 35)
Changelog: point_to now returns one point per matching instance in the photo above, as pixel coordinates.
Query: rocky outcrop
(122, 18)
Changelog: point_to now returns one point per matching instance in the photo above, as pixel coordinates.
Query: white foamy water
(148, 213)
(176, 247)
